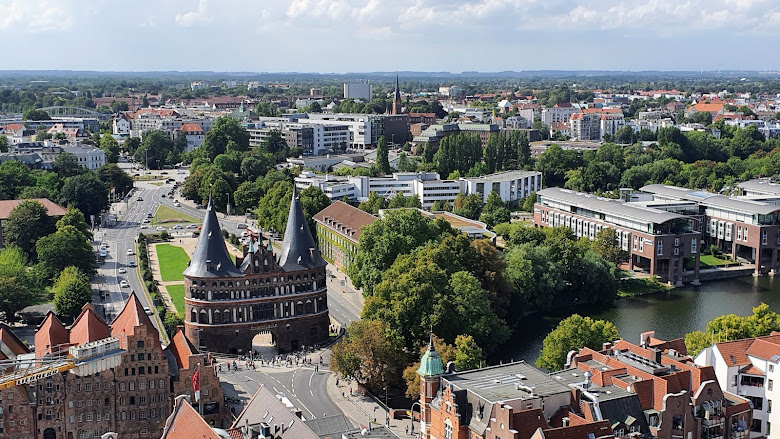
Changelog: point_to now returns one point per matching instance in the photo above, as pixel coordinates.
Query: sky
(341, 36)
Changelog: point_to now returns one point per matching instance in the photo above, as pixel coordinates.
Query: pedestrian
(407, 429)
(350, 390)
(337, 382)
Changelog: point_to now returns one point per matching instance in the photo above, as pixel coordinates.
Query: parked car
(192, 226)
(160, 228)
(130, 252)
(143, 226)
(177, 227)
(122, 270)
(124, 284)
(103, 253)
(241, 226)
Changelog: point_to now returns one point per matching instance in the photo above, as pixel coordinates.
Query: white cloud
(34, 16)
(196, 17)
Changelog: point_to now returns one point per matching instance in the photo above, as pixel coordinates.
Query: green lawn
(714, 261)
(173, 260)
(177, 296)
(169, 215)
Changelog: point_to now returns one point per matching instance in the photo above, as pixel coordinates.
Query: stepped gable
(211, 258)
(131, 316)
(88, 327)
(181, 349)
(10, 345)
(50, 336)
(299, 251)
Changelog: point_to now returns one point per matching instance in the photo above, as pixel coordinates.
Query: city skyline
(358, 36)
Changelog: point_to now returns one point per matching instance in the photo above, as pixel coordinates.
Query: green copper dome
(430, 363)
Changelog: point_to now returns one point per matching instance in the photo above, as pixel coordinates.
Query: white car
(103, 253)
(160, 228)
(130, 252)
(176, 204)
(103, 244)
(122, 270)
(124, 284)
(143, 226)
(192, 226)
(177, 227)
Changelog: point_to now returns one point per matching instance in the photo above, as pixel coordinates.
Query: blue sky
(385, 35)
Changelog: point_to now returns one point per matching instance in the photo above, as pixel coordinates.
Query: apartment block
(657, 241)
(511, 186)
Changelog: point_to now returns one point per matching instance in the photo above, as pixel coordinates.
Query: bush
(164, 235)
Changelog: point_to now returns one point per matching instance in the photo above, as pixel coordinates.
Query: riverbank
(634, 286)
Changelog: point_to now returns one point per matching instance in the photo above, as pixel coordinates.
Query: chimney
(644, 338)
(588, 375)
(606, 346)
(208, 264)
(658, 353)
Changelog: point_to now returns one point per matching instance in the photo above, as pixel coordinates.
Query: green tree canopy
(382, 152)
(574, 333)
(67, 246)
(87, 193)
(226, 135)
(733, 327)
(111, 147)
(75, 218)
(72, 291)
(20, 288)
(67, 165)
(494, 211)
(399, 232)
(115, 178)
(26, 224)
(373, 204)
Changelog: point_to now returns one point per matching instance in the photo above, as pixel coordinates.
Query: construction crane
(84, 360)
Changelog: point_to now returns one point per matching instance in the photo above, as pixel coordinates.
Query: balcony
(739, 434)
(714, 421)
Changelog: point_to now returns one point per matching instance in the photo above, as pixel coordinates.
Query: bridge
(63, 111)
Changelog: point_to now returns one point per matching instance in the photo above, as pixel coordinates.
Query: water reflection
(670, 315)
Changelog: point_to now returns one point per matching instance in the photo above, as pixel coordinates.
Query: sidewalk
(360, 409)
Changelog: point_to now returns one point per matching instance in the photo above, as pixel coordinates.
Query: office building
(360, 91)
(511, 186)
(338, 231)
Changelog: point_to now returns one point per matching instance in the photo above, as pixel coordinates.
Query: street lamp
(411, 411)
(227, 208)
(387, 411)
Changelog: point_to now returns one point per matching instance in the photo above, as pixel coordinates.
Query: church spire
(397, 97)
(299, 251)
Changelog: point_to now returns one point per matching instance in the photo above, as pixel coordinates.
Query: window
(131, 386)
(140, 344)
(142, 385)
(660, 248)
(122, 387)
(744, 238)
(141, 357)
(123, 416)
(693, 245)
(771, 369)
(756, 425)
(89, 417)
(447, 431)
(132, 400)
(756, 401)
(769, 383)
(769, 406)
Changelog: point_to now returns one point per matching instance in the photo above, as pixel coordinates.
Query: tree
(117, 106)
(382, 159)
(405, 164)
(373, 204)
(26, 224)
(529, 201)
(75, 218)
(14, 176)
(544, 130)
(275, 144)
(87, 193)
(468, 206)
(20, 288)
(72, 291)
(171, 323)
(226, 135)
(574, 333)
(3, 143)
(113, 177)
(256, 166)
(67, 165)
(399, 232)
(762, 322)
(468, 354)
(131, 145)
(368, 355)
(156, 150)
(67, 246)
(111, 147)
(608, 246)
(267, 109)
(35, 114)
(494, 211)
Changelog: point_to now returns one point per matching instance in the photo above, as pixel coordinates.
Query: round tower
(431, 369)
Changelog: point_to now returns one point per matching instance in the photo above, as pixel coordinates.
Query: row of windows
(253, 293)
(141, 385)
(260, 281)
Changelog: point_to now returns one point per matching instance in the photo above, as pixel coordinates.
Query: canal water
(670, 315)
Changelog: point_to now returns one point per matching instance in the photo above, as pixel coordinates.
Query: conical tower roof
(430, 363)
(211, 258)
(299, 251)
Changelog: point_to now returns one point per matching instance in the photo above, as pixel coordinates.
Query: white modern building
(91, 158)
(512, 186)
(558, 114)
(362, 127)
(749, 368)
(358, 91)
(428, 186)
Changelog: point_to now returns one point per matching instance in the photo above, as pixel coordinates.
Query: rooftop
(609, 206)
(764, 186)
(52, 208)
(512, 381)
(714, 200)
(347, 220)
(501, 176)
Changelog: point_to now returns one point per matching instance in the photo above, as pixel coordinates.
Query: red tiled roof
(131, 316)
(235, 433)
(191, 128)
(738, 349)
(709, 107)
(53, 209)
(341, 216)
(11, 341)
(50, 335)
(88, 327)
(602, 110)
(678, 344)
(181, 348)
(14, 127)
(186, 423)
(764, 349)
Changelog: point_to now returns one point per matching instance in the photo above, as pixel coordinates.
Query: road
(302, 386)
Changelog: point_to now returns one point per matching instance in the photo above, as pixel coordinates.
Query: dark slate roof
(299, 251)
(211, 247)
(330, 426)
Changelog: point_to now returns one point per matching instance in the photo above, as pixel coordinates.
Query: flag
(196, 383)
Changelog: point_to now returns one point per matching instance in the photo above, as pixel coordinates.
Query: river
(670, 315)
